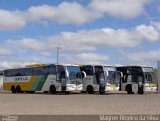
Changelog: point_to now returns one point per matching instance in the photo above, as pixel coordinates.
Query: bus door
(100, 78)
(124, 79)
(137, 79)
(118, 79)
(61, 76)
(129, 79)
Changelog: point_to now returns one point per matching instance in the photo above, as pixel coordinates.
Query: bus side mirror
(120, 74)
(107, 73)
(67, 73)
(83, 75)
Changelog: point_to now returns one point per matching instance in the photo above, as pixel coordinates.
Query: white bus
(47, 78)
(138, 79)
(100, 78)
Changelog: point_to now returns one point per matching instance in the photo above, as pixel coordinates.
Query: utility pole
(58, 48)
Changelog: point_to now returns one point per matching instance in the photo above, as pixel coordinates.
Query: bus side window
(52, 69)
(98, 69)
(87, 69)
(22, 72)
(15, 72)
(37, 71)
(45, 70)
(28, 71)
(7, 73)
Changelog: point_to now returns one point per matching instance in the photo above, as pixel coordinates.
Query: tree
(155, 73)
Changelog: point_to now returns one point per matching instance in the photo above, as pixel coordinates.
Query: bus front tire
(52, 89)
(18, 89)
(140, 92)
(83, 91)
(29, 92)
(102, 92)
(45, 92)
(67, 92)
(129, 89)
(13, 89)
(90, 90)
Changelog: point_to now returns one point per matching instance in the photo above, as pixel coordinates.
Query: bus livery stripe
(38, 84)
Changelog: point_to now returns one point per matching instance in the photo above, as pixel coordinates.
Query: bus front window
(111, 78)
(148, 74)
(148, 77)
(74, 72)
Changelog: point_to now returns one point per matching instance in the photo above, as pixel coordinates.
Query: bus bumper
(149, 88)
(111, 88)
(74, 87)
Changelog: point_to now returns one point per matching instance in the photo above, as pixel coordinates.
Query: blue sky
(120, 32)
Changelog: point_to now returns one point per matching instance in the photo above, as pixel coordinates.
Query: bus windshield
(147, 69)
(73, 71)
(148, 73)
(111, 78)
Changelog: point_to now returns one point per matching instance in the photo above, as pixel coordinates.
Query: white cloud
(31, 45)
(156, 25)
(90, 40)
(126, 9)
(11, 20)
(86, 58)
(148, 32)
(142, 57)
(86, 40)
(71, 13)
(65, 13)
(6, 64)
(5, 51)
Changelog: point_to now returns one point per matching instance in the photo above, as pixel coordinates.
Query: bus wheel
(45, 92)
(102, 92)
(31, 92)
(140, 92)
(90, 90)
(67, 92)
(13, 89)
(83, 91)
(18, 89)
(52, 89)
(129, 89)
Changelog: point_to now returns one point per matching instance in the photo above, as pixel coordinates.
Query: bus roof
(36, 65)
(40, 65)
(68, 64)
(98, 65)
(135, 66)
